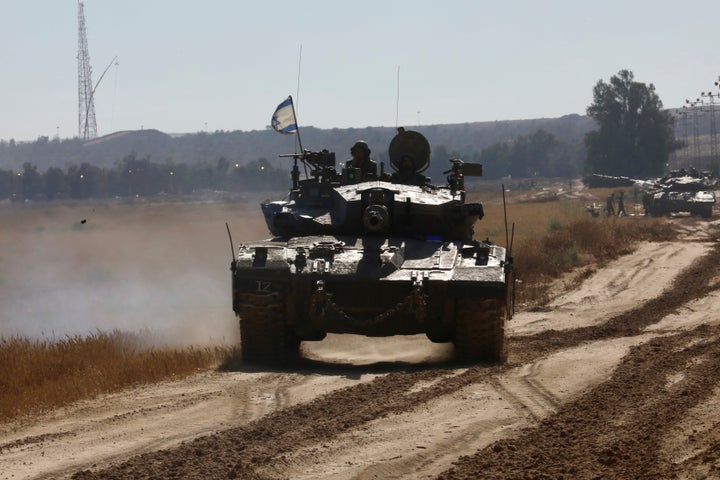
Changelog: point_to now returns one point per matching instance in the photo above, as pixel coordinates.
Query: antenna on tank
(397, 98)
(509, 275)
(297, 92)
(507, 240)
(297, 98)
(512, 239)
(232, 245)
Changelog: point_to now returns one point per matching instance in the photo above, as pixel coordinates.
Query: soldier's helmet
(360, 144)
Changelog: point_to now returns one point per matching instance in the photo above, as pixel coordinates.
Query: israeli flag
(283, 120)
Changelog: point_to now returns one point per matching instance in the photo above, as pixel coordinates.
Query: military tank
(681, 191)
(377, 257)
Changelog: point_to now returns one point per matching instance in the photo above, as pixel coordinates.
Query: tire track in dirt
(694, 282)
(615, 288)
(237, 453)
(242, 452)
(535, 400)
(151, 417)
(616, 430)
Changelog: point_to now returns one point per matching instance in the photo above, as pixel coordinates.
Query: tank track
(264, 334)
(480, 330)
(705, 211)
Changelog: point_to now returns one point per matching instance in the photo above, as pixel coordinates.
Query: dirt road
(618, 378)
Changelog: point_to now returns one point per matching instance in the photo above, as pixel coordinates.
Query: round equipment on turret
(412, 144)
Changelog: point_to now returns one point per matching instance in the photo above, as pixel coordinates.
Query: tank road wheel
(264, 335)
(705, 211)
(480, 330)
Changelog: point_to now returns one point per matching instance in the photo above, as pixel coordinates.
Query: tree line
(539, 154)
(134, 176)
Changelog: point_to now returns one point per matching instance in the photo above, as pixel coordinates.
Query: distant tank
(377, 258)
(681, 191)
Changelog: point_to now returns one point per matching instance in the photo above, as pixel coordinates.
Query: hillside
(465, 140)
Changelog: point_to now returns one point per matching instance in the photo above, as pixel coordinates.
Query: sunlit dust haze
(157, 268)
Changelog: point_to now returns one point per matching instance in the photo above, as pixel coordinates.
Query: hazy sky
(186, 66)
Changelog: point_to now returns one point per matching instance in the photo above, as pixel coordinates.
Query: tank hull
(665, 202)
(372, 286)
(681, 192)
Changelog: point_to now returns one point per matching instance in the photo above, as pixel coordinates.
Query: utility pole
(87, 124)
(684, 122)
(713, 131)
(696, 128)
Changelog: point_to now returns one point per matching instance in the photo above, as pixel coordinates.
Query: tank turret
(331, 203)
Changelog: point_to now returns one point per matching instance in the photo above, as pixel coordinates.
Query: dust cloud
(162, 269)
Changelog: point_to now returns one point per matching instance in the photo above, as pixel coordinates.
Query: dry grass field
(553, 238)
(98, 296)
(41, 374)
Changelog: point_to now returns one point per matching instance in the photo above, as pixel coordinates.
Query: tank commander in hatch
(361, 159)
(407, 173)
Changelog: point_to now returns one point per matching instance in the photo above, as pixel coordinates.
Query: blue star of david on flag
(283, 120)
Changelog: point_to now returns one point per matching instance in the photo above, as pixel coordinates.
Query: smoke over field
(160, 268)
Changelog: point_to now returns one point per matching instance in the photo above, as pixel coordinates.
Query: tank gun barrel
(602, 180)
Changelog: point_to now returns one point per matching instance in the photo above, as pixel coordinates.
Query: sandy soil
(619, 378)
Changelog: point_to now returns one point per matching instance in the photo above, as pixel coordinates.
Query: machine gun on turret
(458, 172)
(322, 166)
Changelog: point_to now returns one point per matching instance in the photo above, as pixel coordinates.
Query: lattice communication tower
(87, 125)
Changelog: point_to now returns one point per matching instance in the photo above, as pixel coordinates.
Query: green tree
(32, 181)
(635, 136)
(7, 181)
(55, 183)
(539, 154)
(494, 160)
